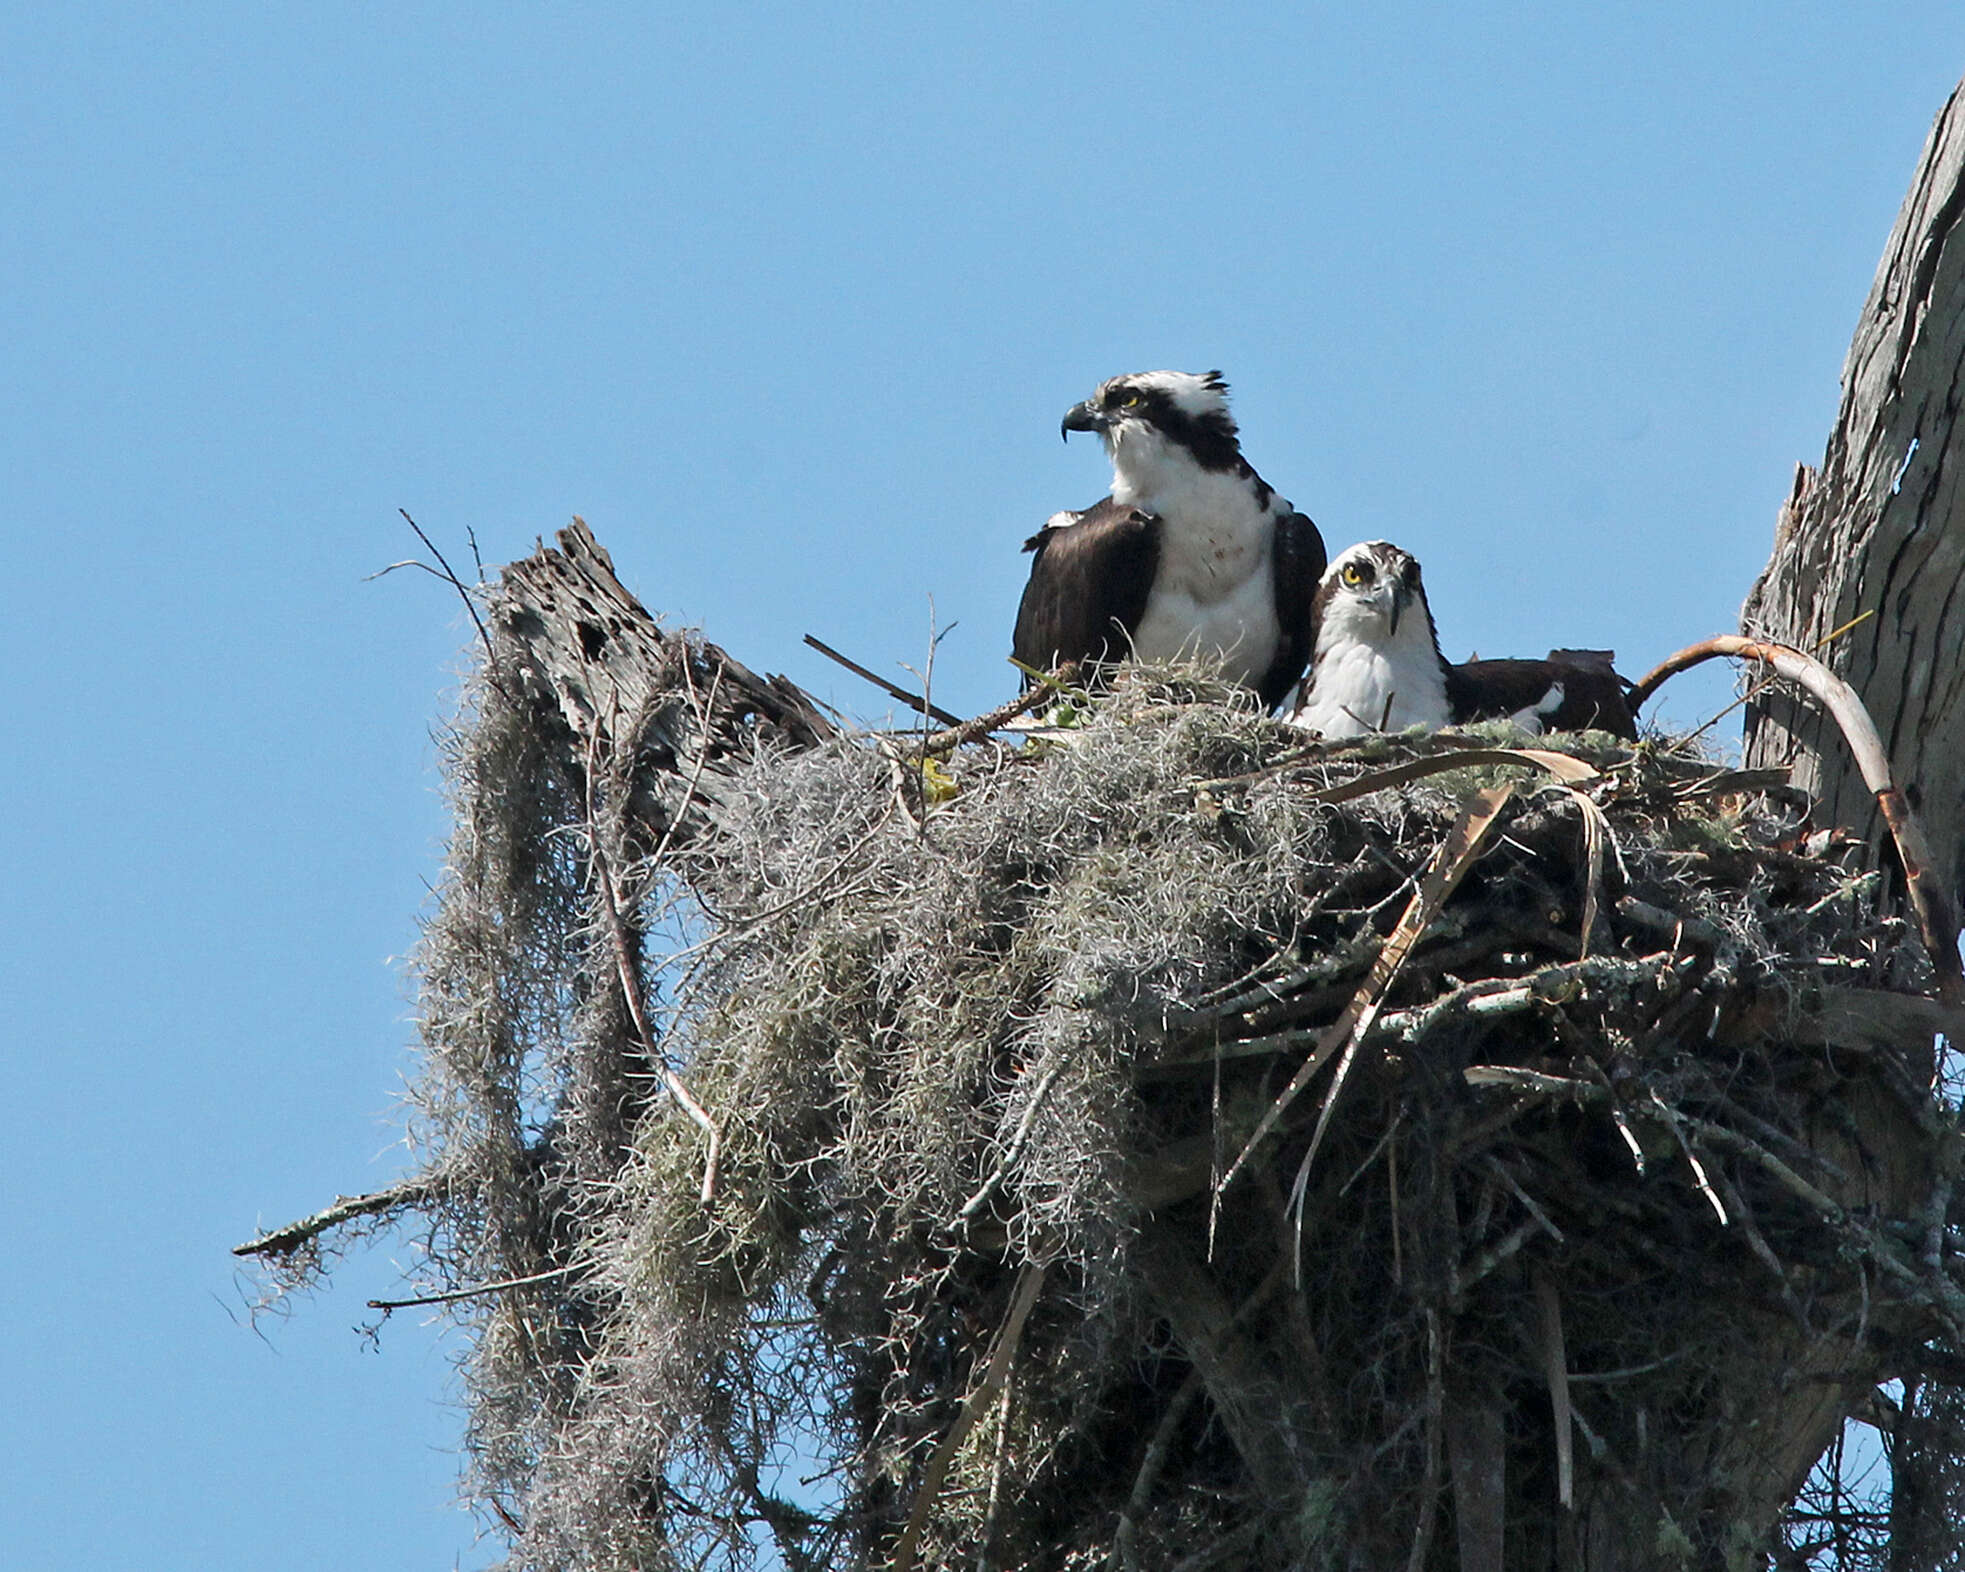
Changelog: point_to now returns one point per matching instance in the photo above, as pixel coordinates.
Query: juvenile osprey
(1191, 555)
(1378, 665)
(1573, 690)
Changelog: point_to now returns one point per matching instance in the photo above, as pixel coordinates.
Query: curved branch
(1936, 918)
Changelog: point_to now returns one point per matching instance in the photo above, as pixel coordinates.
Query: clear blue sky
(788, 304)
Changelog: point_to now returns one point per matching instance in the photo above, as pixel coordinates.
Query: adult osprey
(1378, 666)
(1192, 555)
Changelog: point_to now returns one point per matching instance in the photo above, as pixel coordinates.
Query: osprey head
(1182, 408)
(1368, 590)
(1377, 664)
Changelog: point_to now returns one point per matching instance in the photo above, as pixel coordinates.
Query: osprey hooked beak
(1083, 417)
(1399, 595)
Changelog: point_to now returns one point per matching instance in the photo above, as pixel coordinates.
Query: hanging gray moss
(958, 1282)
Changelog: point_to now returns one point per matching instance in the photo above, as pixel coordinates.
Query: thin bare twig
(1124, 1556)
(913, 701)
(1020, 1138)
(1670, 1121)
(1500, 1170)
(1560, 765)
(1064, 681)
(1429, 1496)
(624, 959)
(1534, 1081)
(463, 592)
(994, 720)
(987, 1537)
(450, 1295)
(1450, 864)
(1493, 1256)
(1555, 1369)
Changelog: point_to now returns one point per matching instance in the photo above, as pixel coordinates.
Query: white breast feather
(1214, 594)
(1362, 681)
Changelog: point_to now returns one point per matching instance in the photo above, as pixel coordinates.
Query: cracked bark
(1879, 527)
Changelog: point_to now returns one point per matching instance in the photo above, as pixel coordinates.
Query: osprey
(1191, 555)
(1378, 667)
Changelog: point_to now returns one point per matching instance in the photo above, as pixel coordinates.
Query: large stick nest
(957, 1281)
(949, 1046)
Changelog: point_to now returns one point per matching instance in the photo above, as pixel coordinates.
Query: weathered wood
(572, 639)
(1477, 1462)
(1232, 1365)
(1880, 528)
(1876, 533)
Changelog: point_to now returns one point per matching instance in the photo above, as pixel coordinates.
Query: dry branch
(996, 1372)
(975, 730)
(344, 1209)
(585, 648)
(913, 701)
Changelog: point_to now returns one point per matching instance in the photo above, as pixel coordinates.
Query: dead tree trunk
(1878, 532)
(1869, 553)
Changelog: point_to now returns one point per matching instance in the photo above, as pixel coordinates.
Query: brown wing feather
(1300, 563)
(1088, 586)
(1593, 695)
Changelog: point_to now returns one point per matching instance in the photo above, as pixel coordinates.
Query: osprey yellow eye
(1133, 401)
(1353, 575)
